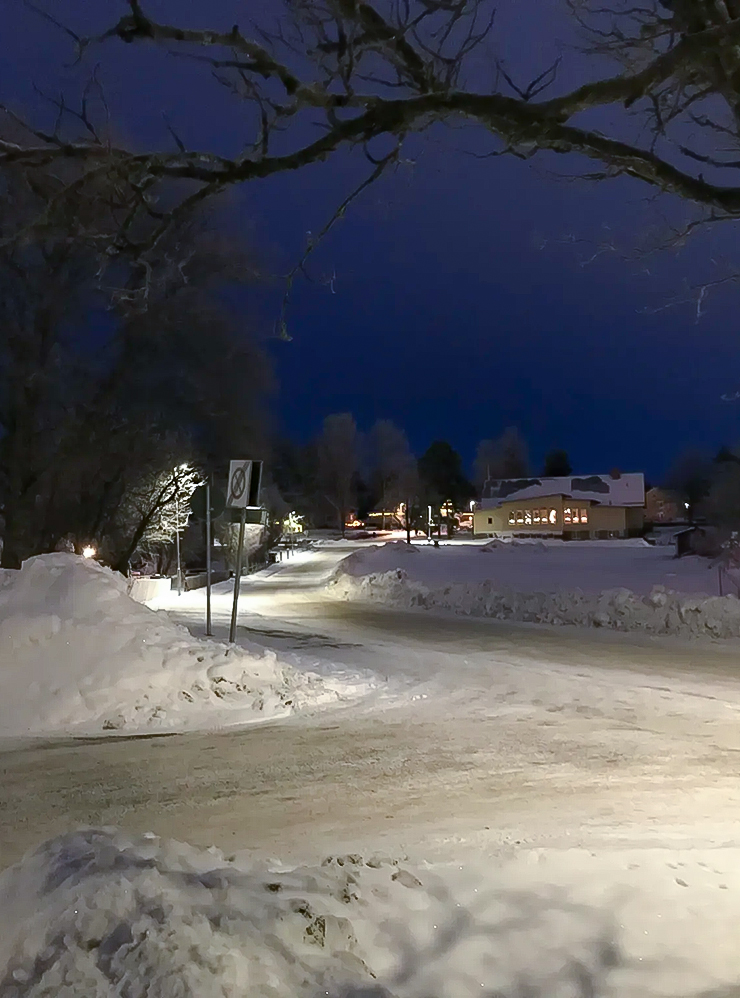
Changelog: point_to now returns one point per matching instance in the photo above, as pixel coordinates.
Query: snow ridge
(662, 611)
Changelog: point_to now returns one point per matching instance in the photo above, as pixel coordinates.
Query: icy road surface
(485, 736)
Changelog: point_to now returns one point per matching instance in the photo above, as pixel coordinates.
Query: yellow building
(572, 507)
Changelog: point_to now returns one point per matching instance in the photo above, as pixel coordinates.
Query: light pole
(177, 539)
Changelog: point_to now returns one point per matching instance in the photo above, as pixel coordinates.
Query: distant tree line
(344, 470)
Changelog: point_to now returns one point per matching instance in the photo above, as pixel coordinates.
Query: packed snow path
(485, 735)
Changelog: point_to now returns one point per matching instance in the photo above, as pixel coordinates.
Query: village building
(571, 507)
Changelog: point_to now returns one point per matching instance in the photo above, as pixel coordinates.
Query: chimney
(616, 474)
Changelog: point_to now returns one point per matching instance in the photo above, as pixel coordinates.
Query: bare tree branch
(360, 70)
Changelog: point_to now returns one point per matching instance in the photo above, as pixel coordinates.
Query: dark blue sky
(462, 300)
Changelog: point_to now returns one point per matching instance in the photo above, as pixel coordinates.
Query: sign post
(208, 503)
(238, 577)
(209, 629)
(238, 494)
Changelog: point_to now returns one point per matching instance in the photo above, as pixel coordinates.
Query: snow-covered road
(491, 737)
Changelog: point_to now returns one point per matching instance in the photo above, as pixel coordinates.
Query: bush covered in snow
(77, 654)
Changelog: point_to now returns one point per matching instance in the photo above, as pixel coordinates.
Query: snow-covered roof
(626, 490)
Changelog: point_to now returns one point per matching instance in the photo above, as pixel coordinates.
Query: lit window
(543, 515)
(584, 516)
(566, 515)
(528, 517)
(512, 517)
(553, 516)
(536, 516)
(519, 516)
(575, 516)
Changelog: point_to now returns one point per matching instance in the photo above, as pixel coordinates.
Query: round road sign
(238, 485)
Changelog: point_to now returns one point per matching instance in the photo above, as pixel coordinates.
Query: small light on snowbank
(89, 552)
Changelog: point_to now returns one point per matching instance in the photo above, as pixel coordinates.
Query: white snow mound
(78, 655)
(96, 913)
(566, 587)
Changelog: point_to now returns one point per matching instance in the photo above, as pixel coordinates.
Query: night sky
(463, 297)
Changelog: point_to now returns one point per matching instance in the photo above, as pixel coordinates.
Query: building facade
(664, 506)
(573, 508)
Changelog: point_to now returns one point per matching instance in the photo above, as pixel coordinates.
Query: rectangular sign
(237, 492)
(255, 484)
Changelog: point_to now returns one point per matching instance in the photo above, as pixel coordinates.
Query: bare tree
(393, 465)
(505, 457)
(691, 477)
(721, 501)
(657, 99)
(86, 416)
(338, 460)
(557, 464)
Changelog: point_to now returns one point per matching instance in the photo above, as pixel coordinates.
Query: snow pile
(497, 544)
(95, 913)
(382, 575)
(383, 556)
(77, 654)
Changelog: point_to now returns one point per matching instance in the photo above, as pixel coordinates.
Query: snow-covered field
(78, 655)
(625, 585)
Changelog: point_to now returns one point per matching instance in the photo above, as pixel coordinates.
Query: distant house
(572, 507)
(663, 506)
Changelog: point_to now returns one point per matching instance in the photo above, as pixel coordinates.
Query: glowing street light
(88, 552)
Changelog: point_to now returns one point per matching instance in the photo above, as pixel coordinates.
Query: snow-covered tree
(156, 507)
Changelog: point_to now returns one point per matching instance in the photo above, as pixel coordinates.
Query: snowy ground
(623, 585)
(77, 655)
(575, 792)
(590, 566)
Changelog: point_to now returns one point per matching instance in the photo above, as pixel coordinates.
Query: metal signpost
(243, 493)
(209, 628)
(208, 503)
(243, 497)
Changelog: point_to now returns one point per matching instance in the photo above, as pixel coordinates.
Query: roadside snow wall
(662, 611)
(78, 655)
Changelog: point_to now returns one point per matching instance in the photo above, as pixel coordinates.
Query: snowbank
(539, 583)
(96, 913)
(78, 655)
